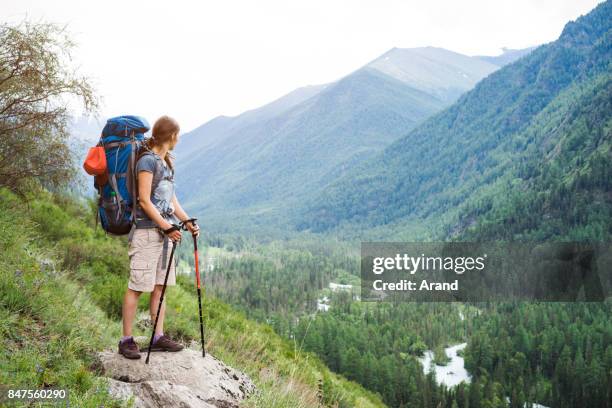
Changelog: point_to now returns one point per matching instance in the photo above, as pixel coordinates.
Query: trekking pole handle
(180, 226)
(183, 224)
(174, 227)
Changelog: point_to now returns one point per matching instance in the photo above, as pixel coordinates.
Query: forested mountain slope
(265, 161)
(546, 115)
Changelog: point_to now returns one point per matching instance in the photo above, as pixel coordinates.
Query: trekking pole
(197, 273)
(161, 300)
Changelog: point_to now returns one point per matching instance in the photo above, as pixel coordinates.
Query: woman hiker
(157, 209)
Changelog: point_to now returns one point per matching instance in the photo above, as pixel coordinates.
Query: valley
(525, 155)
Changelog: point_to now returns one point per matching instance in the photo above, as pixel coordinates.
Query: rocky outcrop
(182, 379)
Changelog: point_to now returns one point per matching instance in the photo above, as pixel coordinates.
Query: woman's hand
(175, 235)
(193, 228)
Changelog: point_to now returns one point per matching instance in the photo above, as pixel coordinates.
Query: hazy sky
(195, 60)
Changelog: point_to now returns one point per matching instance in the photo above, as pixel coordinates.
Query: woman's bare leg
(155, 295)
(130, 304)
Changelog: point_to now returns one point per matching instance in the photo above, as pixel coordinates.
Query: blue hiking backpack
(122, 138)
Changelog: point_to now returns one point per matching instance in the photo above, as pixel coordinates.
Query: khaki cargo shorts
(146, 268)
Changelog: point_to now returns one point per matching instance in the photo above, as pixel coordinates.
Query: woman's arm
(145, 181)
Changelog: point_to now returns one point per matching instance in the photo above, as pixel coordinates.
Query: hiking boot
(164, 343)
(129, 349)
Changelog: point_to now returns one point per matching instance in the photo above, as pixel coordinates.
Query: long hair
(164, 130)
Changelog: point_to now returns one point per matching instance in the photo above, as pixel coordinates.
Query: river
(452, 373)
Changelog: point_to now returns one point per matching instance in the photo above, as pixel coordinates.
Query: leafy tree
(36, 87)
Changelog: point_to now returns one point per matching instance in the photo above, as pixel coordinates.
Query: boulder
(182, 379)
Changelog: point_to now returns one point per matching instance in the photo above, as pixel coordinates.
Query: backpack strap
(165, 251)
(158, 174)
(133, 175)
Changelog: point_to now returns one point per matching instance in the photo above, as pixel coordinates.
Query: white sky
(195, 60)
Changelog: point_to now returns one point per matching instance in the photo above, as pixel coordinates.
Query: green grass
(61, 289)
(49, 327)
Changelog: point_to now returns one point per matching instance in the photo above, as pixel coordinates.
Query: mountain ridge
(508, 55)
(436, 68)
(267, 159)
(445, 160)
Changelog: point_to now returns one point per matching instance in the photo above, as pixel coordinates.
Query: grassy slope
(61, 286)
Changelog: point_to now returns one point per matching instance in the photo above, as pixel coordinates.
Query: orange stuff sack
(95, 162)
